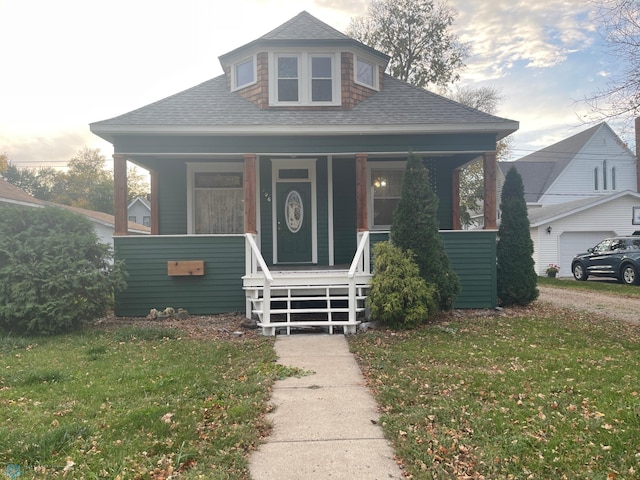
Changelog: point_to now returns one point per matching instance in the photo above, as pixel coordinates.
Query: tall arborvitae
(517, 277)
(415, 228)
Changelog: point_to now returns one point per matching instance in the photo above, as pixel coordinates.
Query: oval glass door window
(294, 211)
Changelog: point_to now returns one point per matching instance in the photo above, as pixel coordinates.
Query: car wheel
(579, 272)
(629, 275)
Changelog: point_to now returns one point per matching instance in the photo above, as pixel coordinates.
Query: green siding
(323, 211)
(473, 258)
(148, 285)
(266, 214)
(173, 198)
(344, 211)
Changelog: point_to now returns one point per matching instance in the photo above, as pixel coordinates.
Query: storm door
(294, 212)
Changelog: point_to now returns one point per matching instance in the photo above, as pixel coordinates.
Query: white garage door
(572, 243)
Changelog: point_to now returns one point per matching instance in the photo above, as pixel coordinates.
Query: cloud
(506, 33)
(52, 150)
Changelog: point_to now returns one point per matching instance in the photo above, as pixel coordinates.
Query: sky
(67, 63)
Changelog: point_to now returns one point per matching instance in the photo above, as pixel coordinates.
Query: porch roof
(211, 109)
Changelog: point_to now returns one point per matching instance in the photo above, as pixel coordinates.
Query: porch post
(455, 200)
(155, 204)
(250, 223)
(637, 126)
(489, 166)
(120, 195)
(362, 222)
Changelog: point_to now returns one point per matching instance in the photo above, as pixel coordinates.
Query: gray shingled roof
(304, 28)
(210, 107)
(543, 215)
(540, 169)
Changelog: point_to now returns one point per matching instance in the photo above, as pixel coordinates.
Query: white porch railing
(297, 298)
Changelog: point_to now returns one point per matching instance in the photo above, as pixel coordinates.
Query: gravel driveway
(621, 308)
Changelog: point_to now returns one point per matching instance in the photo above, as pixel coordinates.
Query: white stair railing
(360, 264)
(254, 260)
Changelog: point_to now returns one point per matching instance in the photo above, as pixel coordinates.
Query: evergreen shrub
(399, 297)
(54, 274)
(517, 278)
(415, 227)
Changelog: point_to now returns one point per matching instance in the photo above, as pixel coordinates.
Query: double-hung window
(386, 186)
(304, 79)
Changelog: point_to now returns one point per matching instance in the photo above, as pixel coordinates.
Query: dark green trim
(304, 144)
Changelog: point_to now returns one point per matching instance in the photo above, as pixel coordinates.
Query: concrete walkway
(325, 423)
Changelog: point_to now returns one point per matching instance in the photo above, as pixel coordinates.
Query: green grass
(533, 394)
(134, 403)
(597, 285)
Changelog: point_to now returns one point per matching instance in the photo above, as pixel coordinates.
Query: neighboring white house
(563, 230)
(103, 223)
(139, 211)
(578, 192)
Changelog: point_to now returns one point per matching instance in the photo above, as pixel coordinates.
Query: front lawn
(525, 394)
(605, 285)
(132, 403)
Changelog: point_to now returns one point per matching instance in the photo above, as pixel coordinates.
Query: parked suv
(617, 257)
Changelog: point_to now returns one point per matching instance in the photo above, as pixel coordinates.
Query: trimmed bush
(415, 228)
(517, 278)
(399, 296)
(54, 274)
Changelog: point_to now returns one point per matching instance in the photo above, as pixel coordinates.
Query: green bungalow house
(270, 182)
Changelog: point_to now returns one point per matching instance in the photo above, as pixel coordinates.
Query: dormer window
(365, 73)
(304, 79)
(244, 73)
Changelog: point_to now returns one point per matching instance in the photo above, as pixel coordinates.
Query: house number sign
(293, 211)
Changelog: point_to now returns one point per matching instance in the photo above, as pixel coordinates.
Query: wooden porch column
(362, 222)
(120, 195)
(250, 223)
(155, 204)
(637, 125)
(455, 200)
(490, 166)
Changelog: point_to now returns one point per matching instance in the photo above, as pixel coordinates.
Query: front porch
(310, 297)
(232, 279)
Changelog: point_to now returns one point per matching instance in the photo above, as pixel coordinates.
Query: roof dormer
(304, 63)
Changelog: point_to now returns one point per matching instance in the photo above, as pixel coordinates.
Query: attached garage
(572, 243)
(561, 231)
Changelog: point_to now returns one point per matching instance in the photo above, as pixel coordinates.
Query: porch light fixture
(549, 230)
(380, 182)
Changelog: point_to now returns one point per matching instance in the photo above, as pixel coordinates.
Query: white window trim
(386, 165)
(376, 73)
(192, 169)
(308, 164)
(234, 79)
(304, 78)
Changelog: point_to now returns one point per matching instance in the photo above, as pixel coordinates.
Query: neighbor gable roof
(9, 193)
(549, 213)
(540, 169)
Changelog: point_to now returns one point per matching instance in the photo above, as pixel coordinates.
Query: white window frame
(234, 75)
(375, 73)
(304, 78)
(192, 169)
(399, 165)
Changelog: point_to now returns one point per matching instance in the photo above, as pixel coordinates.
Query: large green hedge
(54, 274)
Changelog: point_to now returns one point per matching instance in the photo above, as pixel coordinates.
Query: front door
(294, 220)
